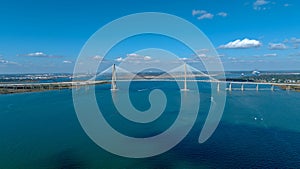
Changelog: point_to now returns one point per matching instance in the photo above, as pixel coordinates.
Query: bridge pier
(256, 87)
(272, 88)
(113, 79)
(218, 87)
(230, 87)
(185, 83)
(242, 87)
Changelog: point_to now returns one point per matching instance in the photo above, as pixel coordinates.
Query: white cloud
(3, 61)
(266, 4)
(119, 59)
(277, 46)
(198, 58)
(132, 55)
(183, 59)
(223, 14)
(270, 54)
(258, 4)
(37, 54)
(6, 62)
(40, 54)
(190, 60)
(202, 14)
(197, 12)
(67, 61)
(242, 44)
(135, 58)
(97, 57)
(147, 58)
(206, 16)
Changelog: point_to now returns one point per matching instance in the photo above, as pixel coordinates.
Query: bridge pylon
(113, 78)
(230, 87)
(272, 88)
(185, 76)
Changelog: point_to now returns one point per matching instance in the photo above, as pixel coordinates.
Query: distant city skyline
(47, 36)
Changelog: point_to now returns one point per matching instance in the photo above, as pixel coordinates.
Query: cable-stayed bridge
(183, 74)
(186, 73)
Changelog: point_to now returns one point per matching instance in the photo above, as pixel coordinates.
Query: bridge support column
(242, 87)
(256, 87)
(113, 79)
(218, 87)
(230, 87)
(272, 88)
(185, 83)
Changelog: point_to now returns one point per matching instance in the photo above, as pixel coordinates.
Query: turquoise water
(258, 129)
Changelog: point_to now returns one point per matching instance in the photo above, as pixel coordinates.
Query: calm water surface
(258, 129)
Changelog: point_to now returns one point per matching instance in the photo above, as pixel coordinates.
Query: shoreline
(41, 87)
(286, 87)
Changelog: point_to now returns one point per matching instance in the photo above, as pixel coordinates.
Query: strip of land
(287, 87)
(279, 78)
(39, 87)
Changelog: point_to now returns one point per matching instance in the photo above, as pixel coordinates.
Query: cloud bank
(259, 4)
(41, 54)
(223, 14)
(242, 44)
(203, 14)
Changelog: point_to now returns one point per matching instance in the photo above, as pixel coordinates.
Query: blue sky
(47, 36)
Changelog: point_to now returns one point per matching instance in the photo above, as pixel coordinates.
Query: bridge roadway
(287, 86)
(212, 81)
